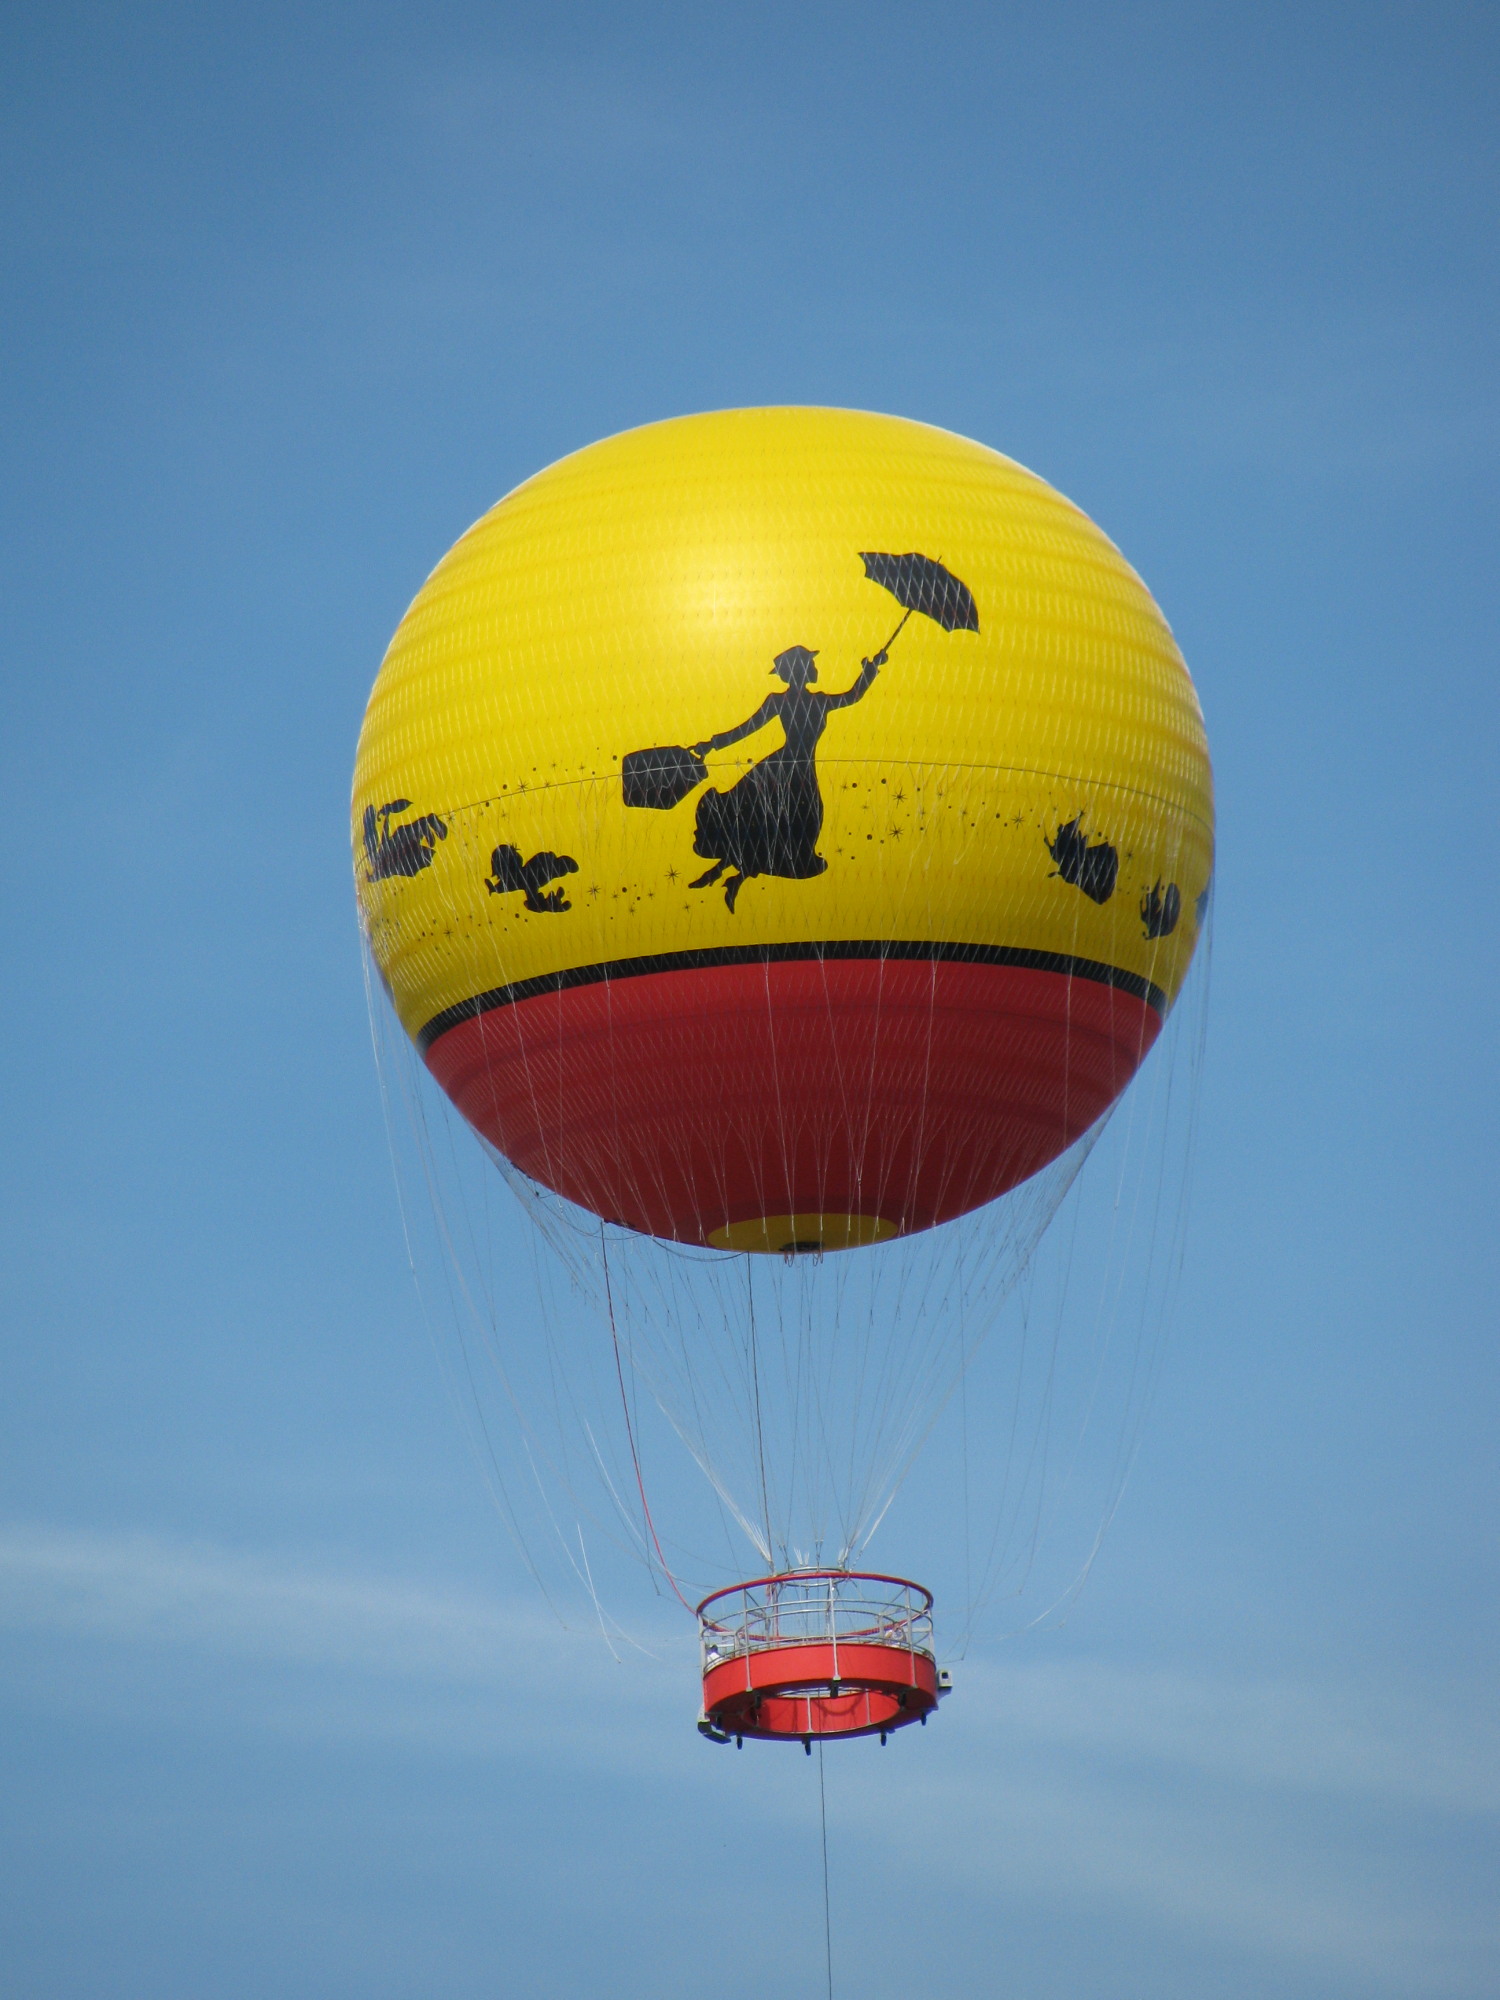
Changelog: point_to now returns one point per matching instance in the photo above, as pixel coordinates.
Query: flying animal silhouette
(509, 872)
(1091, 867)
(401, 850)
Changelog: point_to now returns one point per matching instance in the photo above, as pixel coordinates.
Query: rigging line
(694, 1441)
(638, 1540)
(827, 1915)
(963, 1395)
(916, 1431)
(496, 1486)
(598, 1607)
(760, 1436)
(1070, 1593)
(456, 1277)
(629, 1428)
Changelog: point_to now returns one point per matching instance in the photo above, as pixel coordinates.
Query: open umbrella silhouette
(921, 584)
(662, 778)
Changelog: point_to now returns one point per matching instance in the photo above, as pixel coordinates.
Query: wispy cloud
(1270, 1735)
(1275, 1736)
(136, 1588)
(1298, 1823)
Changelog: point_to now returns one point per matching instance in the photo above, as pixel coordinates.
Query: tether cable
(827, 1918)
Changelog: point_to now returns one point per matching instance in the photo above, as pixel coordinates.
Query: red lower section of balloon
(684, 1101)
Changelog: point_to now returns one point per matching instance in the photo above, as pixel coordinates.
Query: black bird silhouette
(509, 872)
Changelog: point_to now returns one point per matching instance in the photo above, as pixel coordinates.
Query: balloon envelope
(722, 931)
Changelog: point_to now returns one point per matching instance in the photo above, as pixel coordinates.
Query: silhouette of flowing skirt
(767, 824)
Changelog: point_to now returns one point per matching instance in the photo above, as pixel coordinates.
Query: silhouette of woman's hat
(794, 658)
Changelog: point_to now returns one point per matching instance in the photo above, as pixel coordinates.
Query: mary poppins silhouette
(768, 824)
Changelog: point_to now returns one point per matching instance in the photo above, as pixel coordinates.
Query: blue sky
(290, 295)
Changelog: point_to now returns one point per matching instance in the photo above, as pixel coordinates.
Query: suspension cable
(640, 1484)
(827, 1916)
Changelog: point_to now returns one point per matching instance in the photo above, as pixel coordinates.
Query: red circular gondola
(817, 1652)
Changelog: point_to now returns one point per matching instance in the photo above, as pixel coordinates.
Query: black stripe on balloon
(774, 954)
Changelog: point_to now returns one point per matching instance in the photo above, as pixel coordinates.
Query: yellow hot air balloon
(786, 830)
(731, 912)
